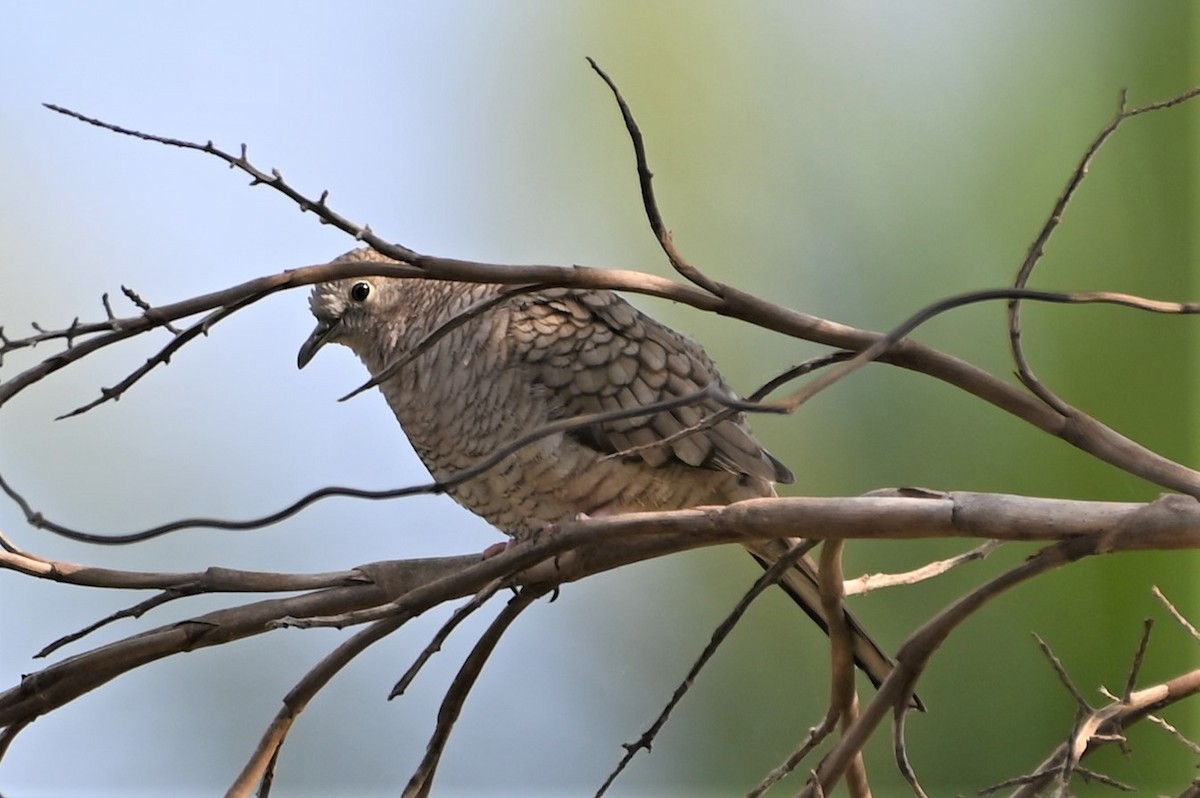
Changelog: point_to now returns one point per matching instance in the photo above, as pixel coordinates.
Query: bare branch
(769, 577)
(274, 180)
(1174, 732)
(136, 611)
(591, 546)
(1022, 293)
(435, 645)
(1108, 444)
(1081, 431)
(1176, 614)
(843, 698)
(711, 392)
(210, 580)
(806, 746)
(914, 654)
(262, 761)
(645, 178)
(160, 358)
(900, 751)
(1081, 703)
(422, 780)
(1037, 248)
(868, 582)
(1109, 722)
(136, 299)
(1138, 658)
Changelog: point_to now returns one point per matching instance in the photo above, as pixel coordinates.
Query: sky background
(854, 160)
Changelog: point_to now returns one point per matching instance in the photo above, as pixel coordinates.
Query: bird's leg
(548, 528)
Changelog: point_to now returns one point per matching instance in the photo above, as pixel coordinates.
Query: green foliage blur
(909, 156)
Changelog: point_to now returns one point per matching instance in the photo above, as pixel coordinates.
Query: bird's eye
(360, 291)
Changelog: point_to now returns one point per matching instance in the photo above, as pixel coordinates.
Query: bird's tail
(800, 583)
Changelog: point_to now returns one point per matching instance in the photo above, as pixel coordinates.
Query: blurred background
(856, 161)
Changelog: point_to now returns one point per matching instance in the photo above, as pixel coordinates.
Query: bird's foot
(496, 548)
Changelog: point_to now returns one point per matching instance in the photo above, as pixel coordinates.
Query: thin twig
(1176, 614)
(135, 298)
(261, 762)
(770, 576)
(894, 337)
(274, 180)
(1107, 724)
(456, 321)
(460, 614)
(422, 779)
(210, 580)
(806, 746)
(711, 392)
(1080, 701)
(1139, 657)
(136, 611)
(645, 178)
(1174, 732)
(914, 654)
(868, 582)
(1038, 246)
(162, 357)
(711, 420)
(900, 751)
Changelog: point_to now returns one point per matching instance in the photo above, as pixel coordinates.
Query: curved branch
(768, 577)
(649, 203)
(582, 548)
(1038, 247)
(262, 761)
(1080, 429)
(843, 698)
(711, 391)
(422, 780)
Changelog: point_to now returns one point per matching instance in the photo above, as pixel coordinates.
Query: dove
(529, 359)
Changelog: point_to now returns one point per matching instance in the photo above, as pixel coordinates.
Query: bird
(521, 360)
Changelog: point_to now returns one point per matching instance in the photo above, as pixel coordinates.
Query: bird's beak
(320, 336)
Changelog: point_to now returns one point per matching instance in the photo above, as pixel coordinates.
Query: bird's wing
(594, 352)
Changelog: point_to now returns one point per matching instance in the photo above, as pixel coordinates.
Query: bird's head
(352, 312)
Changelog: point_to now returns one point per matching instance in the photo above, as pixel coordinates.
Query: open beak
(320, 336)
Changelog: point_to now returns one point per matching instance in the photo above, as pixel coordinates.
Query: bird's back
(538, 357)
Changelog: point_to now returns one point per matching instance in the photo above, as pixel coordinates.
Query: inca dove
(548, 355)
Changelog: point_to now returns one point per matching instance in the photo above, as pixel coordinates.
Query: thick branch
(583, 548)
(1142, 528)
